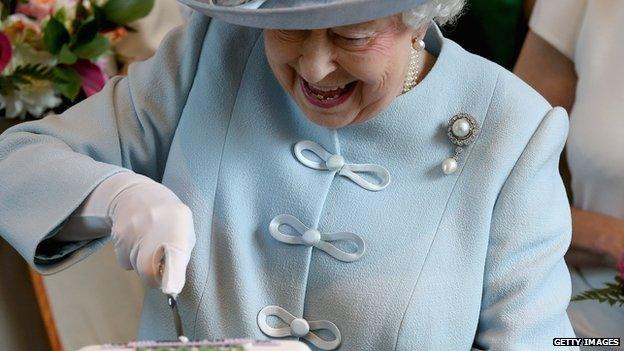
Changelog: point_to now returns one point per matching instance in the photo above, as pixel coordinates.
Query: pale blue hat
(299, 14)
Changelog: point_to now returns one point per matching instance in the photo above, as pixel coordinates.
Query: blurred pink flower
(92, 78)
(620, 266)
(38, 9)
(6, 51)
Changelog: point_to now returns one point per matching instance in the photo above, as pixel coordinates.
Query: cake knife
(172, 302)
(177, 321)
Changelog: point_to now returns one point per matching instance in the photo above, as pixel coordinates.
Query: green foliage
(81, 11)
(61, 15)
(613, 293)
(123, 12)
(24, 75)
(93, 49)
(66, 56)
(66, 81)
(55, 35)
(7, 6)
(86, 32)
(86, 43)
(100, 17)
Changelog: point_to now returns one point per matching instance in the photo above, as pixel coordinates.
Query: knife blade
(177, 321)
(172, 302)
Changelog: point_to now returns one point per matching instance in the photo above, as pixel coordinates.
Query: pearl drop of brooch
(449, 166)
(461, 128)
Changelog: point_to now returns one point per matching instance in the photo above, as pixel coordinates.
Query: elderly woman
(348, 177)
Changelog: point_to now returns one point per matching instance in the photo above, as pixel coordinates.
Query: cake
(204, 345)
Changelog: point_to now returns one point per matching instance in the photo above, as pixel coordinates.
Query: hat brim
(302, 14)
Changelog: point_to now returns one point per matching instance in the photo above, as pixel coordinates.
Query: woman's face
(342, 75)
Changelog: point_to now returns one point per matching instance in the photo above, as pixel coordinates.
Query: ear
(418, 37)
(419, 34)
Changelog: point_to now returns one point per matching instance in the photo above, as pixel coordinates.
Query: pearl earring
(413, 70)
(418, 45)
(462, 130)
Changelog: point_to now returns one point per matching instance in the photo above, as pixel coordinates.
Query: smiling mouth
(326, 97)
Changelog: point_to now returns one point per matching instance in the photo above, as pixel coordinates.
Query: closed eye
(352, 41)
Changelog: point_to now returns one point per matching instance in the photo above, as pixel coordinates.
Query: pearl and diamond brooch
(462, 129)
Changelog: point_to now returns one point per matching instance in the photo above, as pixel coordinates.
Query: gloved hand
(149, 224)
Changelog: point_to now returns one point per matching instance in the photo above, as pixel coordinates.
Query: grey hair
(441, 11)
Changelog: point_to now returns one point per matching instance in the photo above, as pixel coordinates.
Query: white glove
(148, 224)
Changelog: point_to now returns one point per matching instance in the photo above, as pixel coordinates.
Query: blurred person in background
(140, 45)
(494, 29)
(573, 56)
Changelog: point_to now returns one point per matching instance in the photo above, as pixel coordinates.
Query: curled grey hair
(441, 11)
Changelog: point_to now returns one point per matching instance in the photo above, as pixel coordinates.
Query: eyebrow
(370, 26)
(353, 31)
(366, 26)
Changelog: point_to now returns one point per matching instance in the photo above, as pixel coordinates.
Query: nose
(317, 57)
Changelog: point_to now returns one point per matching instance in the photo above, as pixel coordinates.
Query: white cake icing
(204, 345)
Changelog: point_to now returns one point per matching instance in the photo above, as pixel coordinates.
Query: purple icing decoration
(195, 343)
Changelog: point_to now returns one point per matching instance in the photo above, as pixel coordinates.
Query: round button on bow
(311, 237)
(299, 327)
(335, 163)
(379, 177)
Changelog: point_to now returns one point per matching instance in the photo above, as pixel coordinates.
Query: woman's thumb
(175, 262)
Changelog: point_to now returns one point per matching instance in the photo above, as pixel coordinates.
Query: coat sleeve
(48, 167)
(527, 284)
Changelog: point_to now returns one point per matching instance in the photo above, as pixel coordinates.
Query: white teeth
(325, 89)
(323, 98)
(326, 93)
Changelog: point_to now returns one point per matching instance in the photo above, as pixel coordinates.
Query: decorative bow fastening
(312, 237)
(337, 163)
(298, 327)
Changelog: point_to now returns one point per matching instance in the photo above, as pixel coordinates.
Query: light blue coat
(470, 259)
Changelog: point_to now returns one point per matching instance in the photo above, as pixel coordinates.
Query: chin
(329, 121)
